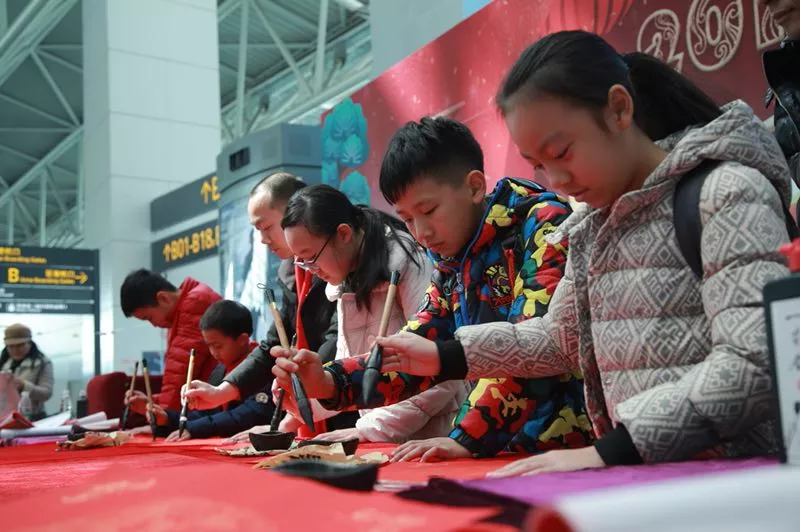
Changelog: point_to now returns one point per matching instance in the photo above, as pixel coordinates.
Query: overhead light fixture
(352, 5)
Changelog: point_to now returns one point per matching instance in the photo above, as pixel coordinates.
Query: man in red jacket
(150, 297)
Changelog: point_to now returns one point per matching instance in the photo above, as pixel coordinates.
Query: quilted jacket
(680, 362)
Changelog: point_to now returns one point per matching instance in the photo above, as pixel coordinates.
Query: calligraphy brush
(372, 374)
(124, 421)
(297, 387)
(185, 406)
(147, 388)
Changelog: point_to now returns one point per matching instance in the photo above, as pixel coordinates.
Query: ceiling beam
(322, 37)
(3, 17)
(61, 61)
(37, 130)
(287, 56)
(226, 9)
(59, 94)
(31, 26)
(291, 15)
(362, 30)
(351, 80)
(241, 67)
(53, 155)
(224, 66)
(267, 45)
(34, 110)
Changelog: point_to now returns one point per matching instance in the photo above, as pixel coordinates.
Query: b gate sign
(48, 280)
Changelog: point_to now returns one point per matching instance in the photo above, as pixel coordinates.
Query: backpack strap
(686, 215)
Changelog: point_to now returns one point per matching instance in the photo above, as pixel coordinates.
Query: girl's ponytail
(665, 102)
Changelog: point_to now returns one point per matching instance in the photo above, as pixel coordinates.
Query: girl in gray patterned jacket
(675, 366)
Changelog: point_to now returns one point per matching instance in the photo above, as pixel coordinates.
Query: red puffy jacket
(184, 335)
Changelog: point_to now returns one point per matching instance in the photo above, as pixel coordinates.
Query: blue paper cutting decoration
(345, 146)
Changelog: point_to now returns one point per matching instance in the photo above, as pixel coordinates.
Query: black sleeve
(452, 361)
(249, 413)
(255, 372)
(616, 448)
(327, 351)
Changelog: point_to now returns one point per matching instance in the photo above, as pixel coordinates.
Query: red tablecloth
(33, 468)
(38, 476)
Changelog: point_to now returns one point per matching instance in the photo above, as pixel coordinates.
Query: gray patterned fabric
(682, 363)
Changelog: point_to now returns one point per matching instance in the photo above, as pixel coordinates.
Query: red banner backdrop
(717, 43)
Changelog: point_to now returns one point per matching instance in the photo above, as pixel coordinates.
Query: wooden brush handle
(276, 317)
(146, 376)
(387, 310)
(190, 371)
(133, 379)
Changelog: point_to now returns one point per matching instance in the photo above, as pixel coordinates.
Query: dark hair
(442, 149)
(228, 317)
(279, 185)
(581, 67)
(322, 208)
(139, 290)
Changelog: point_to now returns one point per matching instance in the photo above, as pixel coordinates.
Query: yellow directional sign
(53, 277)
(209, 190)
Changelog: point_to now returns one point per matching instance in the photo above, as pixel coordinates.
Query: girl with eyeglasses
(354, 249)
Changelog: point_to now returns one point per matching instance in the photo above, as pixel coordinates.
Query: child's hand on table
(552, 461)
(244, 436)
(430, 450)
(175, 437)
(341, 435)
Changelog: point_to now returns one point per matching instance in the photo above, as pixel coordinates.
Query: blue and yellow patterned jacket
(508, 273)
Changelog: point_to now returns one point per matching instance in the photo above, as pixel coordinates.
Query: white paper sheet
(764, 498)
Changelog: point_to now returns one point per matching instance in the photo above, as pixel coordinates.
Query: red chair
(106, 393)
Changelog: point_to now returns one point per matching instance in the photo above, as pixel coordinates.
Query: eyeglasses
(310, 265)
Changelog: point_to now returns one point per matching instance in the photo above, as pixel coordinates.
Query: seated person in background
(315, 312)
(354, 248)
(492, 264)
(30, 370)
(150, 297)
(226, 327)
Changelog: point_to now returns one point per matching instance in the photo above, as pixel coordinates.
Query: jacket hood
(509, 202)
(737, 136)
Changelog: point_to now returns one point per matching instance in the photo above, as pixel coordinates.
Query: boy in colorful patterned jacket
(491, 264)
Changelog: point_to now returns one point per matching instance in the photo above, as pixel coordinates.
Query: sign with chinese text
(186, 246)
(47, 280)
(193, 199)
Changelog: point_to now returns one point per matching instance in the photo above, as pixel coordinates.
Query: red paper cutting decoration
(597, 16)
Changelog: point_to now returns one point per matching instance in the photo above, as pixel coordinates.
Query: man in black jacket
(265, 208)
(782, 68)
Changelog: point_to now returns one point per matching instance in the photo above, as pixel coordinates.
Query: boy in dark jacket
(491, 264)
(316, 313)
(226, 327)
(148, 296)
